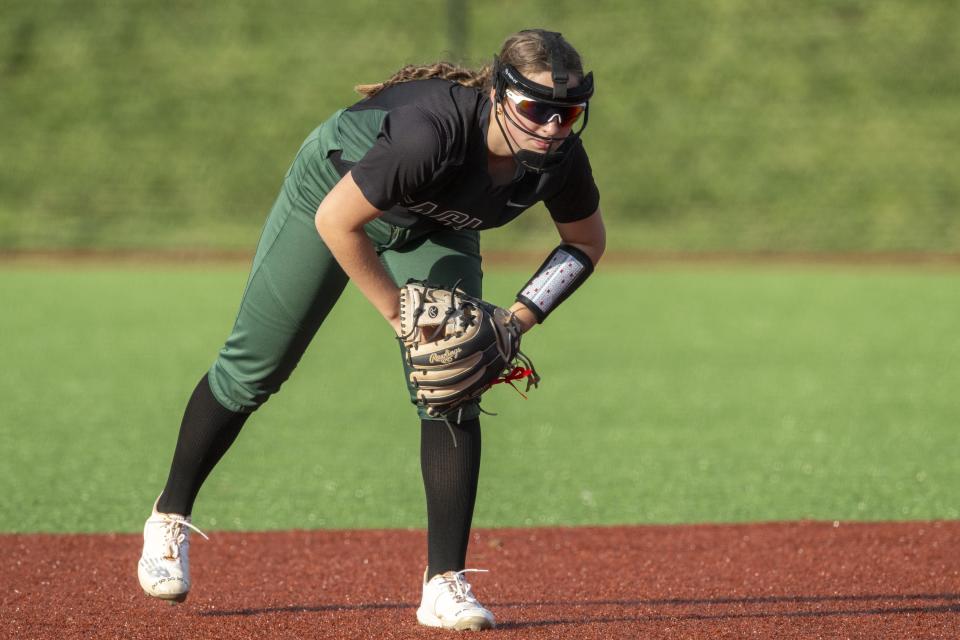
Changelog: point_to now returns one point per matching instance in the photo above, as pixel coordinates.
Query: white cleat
(448, 603)
(164, 567)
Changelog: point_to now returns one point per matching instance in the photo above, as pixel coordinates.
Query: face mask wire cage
(559, 95)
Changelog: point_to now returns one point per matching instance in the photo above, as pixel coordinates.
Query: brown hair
(446, 70)
(526, 50)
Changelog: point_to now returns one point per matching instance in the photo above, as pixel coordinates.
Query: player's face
(557, 126)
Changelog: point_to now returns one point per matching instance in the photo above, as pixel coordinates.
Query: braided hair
(526, 51)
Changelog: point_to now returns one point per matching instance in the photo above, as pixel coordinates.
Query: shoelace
(174, 534)
(460, 587)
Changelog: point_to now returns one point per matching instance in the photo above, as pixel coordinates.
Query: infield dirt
(778, 580)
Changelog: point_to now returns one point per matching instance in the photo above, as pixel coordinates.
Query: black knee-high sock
(207, 431)
(450, 475)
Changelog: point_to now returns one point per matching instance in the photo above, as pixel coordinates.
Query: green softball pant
(295, 282)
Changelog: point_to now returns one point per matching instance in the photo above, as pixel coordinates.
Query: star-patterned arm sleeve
(565, 269)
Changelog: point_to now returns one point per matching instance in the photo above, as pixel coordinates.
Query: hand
(523, 315)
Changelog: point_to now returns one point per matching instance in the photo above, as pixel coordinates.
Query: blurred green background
(718, 125)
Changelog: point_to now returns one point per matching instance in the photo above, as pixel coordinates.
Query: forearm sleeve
(561, 273)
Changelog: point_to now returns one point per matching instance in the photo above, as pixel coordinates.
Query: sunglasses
(543, 113)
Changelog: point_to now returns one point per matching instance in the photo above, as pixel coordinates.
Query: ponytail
(479, 79)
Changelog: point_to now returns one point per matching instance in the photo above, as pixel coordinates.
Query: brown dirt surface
(778, 580)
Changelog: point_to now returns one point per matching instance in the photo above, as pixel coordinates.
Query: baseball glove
(457, 347)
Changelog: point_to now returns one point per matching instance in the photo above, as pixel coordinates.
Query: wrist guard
(561, 273)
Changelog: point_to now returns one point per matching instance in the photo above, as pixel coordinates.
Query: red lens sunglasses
(542, 112)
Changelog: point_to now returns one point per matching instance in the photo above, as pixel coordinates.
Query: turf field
(671, 394)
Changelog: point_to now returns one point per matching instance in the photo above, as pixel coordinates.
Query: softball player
(395, 187)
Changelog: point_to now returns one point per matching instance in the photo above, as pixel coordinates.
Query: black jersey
(418, 150)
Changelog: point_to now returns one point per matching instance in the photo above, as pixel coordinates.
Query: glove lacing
(451, 310)
(446, 421)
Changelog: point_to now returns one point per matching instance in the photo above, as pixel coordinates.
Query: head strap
(558, 68)
(507, 75)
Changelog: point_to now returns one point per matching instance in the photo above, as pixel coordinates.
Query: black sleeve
(578, 197)
(409, 150)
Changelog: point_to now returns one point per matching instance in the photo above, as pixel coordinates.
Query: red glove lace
(517, 373)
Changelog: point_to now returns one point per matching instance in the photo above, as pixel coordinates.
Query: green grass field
(670, 394)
